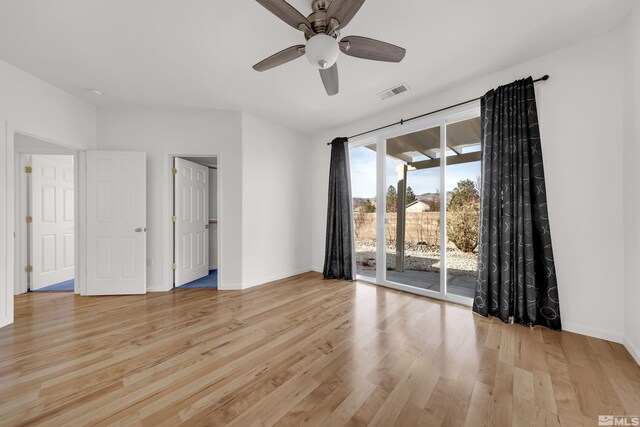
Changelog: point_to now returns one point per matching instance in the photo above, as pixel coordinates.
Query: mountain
(360, 200)
(430, 197)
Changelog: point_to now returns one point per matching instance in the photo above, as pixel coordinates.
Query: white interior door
(52, 231)
(191, 207)
(116, 218)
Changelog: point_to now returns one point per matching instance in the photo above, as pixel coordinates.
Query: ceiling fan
(321, 30)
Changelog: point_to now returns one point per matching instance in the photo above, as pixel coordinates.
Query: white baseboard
(230, 287)
(592, 332)
(635, 353)
(265, 280)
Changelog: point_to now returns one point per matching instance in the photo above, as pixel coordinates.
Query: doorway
(45, 203)
(416, 205)
(195, 222)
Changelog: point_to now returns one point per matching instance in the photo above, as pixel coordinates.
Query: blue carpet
(58, 287)
(206, 282)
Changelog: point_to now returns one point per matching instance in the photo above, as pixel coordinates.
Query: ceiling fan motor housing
(320, 21)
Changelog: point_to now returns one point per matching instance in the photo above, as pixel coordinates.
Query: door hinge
(174, 171)
(28, 219)
(174, 266)
(28, 269)
(174, 218)
(27, 169)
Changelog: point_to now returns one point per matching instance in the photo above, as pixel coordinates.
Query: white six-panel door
(192, 219)
(52, 231)
(116, 223)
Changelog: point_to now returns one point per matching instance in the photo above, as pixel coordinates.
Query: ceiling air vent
(397, 90)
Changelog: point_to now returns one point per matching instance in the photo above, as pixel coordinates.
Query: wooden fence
(421, 227)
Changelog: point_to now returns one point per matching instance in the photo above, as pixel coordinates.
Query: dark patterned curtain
(339, 253)
(516, 272)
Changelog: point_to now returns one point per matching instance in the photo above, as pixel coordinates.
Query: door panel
(116, 218)
(52, 256)
(191, 227)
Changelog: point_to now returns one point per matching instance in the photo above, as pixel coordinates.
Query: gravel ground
(419, 258)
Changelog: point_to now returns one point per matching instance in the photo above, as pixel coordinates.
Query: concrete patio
(461, 285)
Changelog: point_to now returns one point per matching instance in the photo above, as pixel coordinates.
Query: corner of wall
(6, 291)
(632, 349)
(631, 181)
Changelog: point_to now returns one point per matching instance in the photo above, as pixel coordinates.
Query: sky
(363, 174)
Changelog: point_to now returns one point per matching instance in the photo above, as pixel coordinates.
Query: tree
(411, 196)
(463, 216)
(368, 206)
(464, 194)
(434, 202)
(392, 199)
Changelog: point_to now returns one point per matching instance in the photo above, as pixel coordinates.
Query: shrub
(463, 224)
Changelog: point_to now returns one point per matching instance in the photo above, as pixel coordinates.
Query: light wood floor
(302, 351)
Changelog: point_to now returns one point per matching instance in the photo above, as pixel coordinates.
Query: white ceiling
(199, 53)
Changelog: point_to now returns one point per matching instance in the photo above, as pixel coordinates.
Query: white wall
(632, 186)
(581, 124)
(277, 202)
(182, 131)
(33, 107)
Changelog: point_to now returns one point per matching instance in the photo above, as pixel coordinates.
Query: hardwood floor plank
(301, 351)
(369, 408)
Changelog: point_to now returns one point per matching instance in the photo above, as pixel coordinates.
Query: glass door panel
(463, 206)
(363, 191)
(413, 204)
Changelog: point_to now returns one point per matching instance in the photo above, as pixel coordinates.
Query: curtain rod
(403, 121)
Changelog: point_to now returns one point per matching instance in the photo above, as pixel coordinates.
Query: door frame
(196, 271)
(441, 119)
(8, 227)
(168, 223)
(20, 247)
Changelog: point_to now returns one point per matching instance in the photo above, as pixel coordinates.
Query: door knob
(138, 230)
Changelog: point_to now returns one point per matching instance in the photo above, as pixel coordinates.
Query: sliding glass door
(416, 205)
(463, 205)
(414, 209)
(363, 190)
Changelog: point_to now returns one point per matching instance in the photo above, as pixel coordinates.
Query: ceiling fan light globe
(322, 51)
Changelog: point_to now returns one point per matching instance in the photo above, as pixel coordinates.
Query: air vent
(397, 90)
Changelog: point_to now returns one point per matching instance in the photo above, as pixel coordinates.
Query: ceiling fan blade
(344, 10)
(286, 12)
(282, 57)
(330, 79)
(366, 48)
